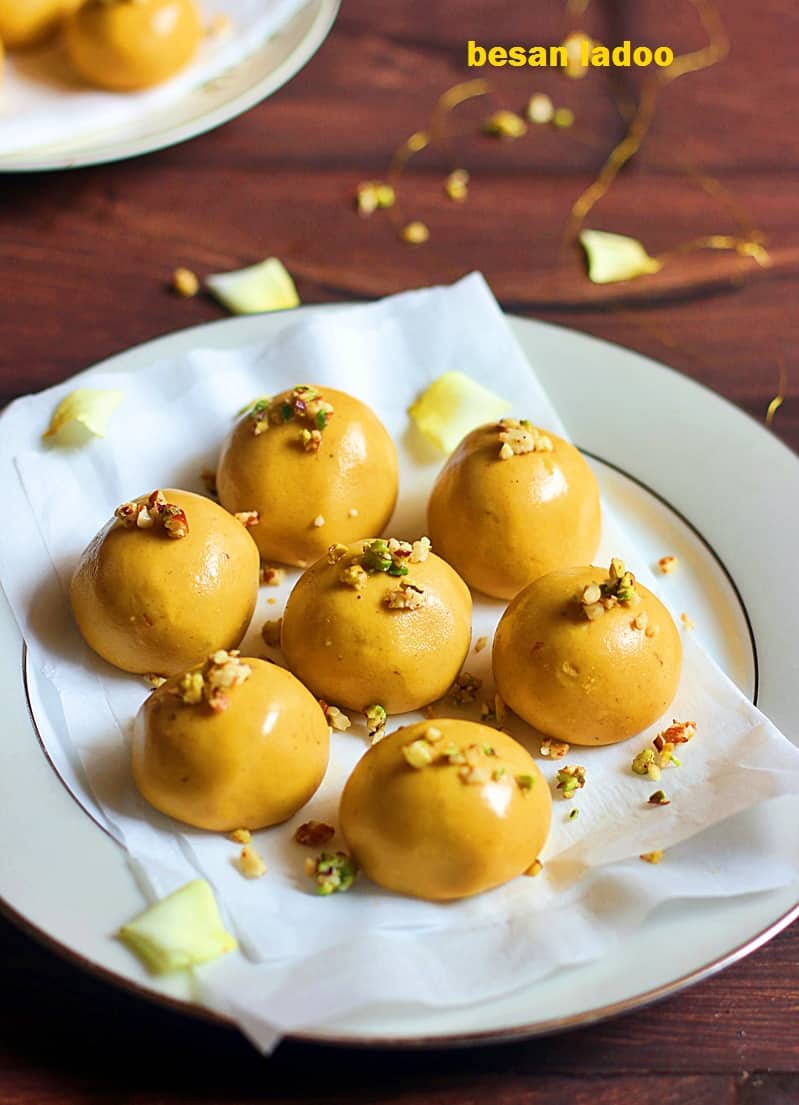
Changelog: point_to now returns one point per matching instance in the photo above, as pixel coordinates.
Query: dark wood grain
(85, 259)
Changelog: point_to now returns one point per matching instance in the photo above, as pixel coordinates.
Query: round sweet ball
(237, 743)
(512, 503)
(27, 23)
(170, 579)
(318, 466)
(378, 622)
(445, 809)
(124, 45)
(587, 656)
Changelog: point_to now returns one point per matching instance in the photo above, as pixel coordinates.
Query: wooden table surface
(85, 257)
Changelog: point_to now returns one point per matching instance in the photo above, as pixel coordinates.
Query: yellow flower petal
(91, 407)
(614, 257)
(453, 405)
(180, 931)
(266, 286)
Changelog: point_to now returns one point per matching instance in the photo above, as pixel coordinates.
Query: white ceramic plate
(690, 475)
(203, 108)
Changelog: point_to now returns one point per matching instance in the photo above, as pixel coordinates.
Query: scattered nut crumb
(505, 124)
(687, 622)
(667, 564)
(250, 863)
(313, 834)
(563, 117)
(318, 521)
(352, 512)
(480, 644)
(222, 671)
(570, 780)
(652, 857)
(332, 872)
(154, 681)
(407, 596)
(456, 185)
(535, 868)
(185, 283)
(272, 577)
(248, 518)
(420, 550)
(658, 798)
(336, 718)
(418, 753)
(553, 750)
(519, 437)
(415, 233)
(540, 109)
(464, 690)
(240, 836)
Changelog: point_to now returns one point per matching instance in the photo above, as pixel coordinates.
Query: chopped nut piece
(376, 718)
(574, 814)
(155, 512)
(333, 872)
(688, 623)
(652, 857)
(370, 195)
(418, 753)
(618, 589)
(570, 780)
(336, 553)
(540, 109)
(525, 782)
(318, 521)
(185, 283)
(456, 185)
(535, 868)
(552, 749)
(667, 564)
(248, 518)
(518, 437)
(354, 576)
(464, 690)
(679, 732)
(336, 719)
(221, 672)
(240, 836)
(415, 233)
(643, 761)
(640, 621)
(420, 550)
(577, 46)
(352, 512)
(408, 596)
(652, 630)
(480, 644)
(272, 577)
(250, 863)
(563, 117)
(505, 124)
(270, 631)
(658, 798)
(433, 734)
(313, 834)
(154, 681)
(569, 669)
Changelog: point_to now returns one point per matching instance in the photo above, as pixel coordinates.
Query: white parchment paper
(43, 101)
(308, 960)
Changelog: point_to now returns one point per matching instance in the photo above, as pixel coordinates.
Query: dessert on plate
(445, 809)
(587, 655)
(378, 622)
(317, 465)
(235, 743)
(170, 579)
(124, 45)
(26, 23)
(512, 503)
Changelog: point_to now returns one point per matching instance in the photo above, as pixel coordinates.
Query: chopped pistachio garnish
(241, 836)
(386, 556)
(667, 564)
(180, 931)
(456, 185)
(617, 590)
(570, 780)
(304, 405)
(464, 690)
(155, 513)
(250, 863)
(333, 872)
(498, 773)
(407, 596)
(270, 631)
(336, 719)
(272, 577)
(90, 408)
(415, 233)
(574, 814)
(248, 518)
(525, 782)
(185, 283)
(553, 750)
(418, 753)
(313, 834)
(221, 672)
(540, 109)
(505, 124)
(376, 717)
(519, 436)
(652, 857)
(658, 798)
(645, 763)
(453, 405)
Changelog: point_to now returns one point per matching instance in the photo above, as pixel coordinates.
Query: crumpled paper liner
(308, 960)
